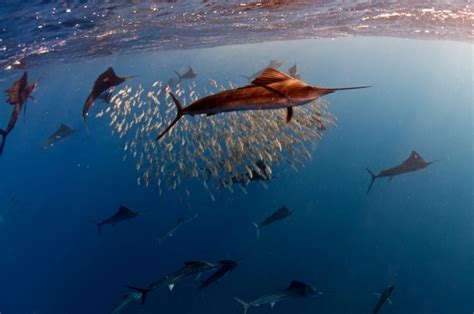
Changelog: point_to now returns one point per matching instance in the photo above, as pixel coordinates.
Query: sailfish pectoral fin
(289, 114)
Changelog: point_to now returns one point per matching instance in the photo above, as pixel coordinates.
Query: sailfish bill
(269, 91)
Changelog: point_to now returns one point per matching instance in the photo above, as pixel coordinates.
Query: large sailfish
(271, 90)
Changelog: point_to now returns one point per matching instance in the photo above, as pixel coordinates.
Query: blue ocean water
(415, 232)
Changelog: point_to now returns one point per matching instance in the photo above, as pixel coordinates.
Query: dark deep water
(415, 232)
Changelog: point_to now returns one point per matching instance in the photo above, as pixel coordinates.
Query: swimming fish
(189, 74)
(189, 268)
(271, 90)
(104, 81)
(262, 173)
(227, 266)
(132, 296)
(414, 163)
(122, 214)
(63, 132)
(17, 95)
(385, 296)
(179, 223)
(296, 289)
(281, 213)
(273, 64)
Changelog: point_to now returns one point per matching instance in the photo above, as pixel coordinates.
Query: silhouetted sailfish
(414, 163)
(104, 81)
(227, 266)
(122, 214)
(296, 289)
(189, 74)
(281, 213)
(385, 296)
(271, 90)
(61, 133)
(190, 268)
(17, 95)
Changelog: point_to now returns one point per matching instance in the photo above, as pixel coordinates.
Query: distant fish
(104, 81)
(63, 132)
(293, 71)
(17, 95)
(227, 266)
(385, 296)
(190, 268)
(179, 223)
(122, 214)
(274, 64)
(132, 296)
(271, 90)
(262, 173)
(282, 213)
(189, 74)
(414, 163)
(295, 290)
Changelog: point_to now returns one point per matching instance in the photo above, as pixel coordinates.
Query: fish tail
(179, 115)
(144, 292)
(244, 304)
(4, 138)
(179, 75)
(373, 176)
(258, 230)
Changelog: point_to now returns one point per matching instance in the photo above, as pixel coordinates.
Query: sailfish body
(271, 90)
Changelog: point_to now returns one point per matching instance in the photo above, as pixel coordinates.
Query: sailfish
(104, 82)
(17, 95)
(413, 163)
(271, 90)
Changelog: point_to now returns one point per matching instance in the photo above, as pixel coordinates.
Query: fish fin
(171, 287)
(258, 230)
(390, 178)
(373, 176)
(4, 138)
(289, 114)
(389, 301)
(270, 76)
(272, 304)
(144, 292)
(179, 115)
(244, 304)
(179, 75)
(88, 105)
(198, 276)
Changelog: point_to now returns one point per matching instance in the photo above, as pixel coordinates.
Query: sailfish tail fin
(144, 292)
(244, 304)
(4, 138)
(179, 115)
(373, 176)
